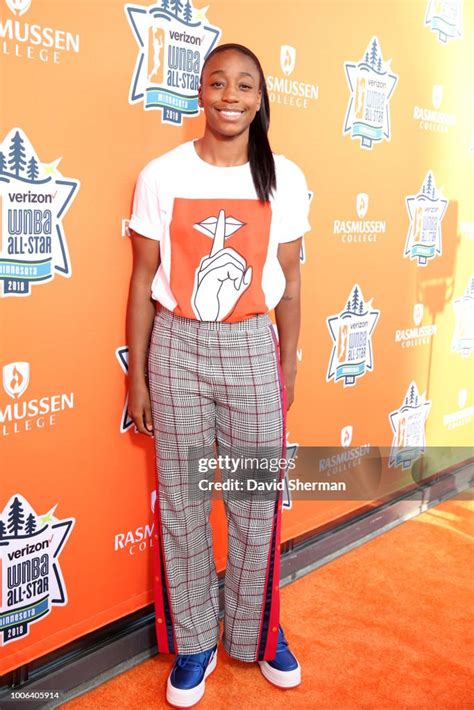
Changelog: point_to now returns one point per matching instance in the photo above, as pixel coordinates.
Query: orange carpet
(386, 626)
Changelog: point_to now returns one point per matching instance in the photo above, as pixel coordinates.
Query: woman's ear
(200, 97)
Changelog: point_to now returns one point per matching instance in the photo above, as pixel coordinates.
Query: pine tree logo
(445, 18)
(426, 211)
(173, 38)
(35, 198)
(122, 356)
(351, 331)
(408, 427)
(371, 83)
(31, 578)
(463, 337)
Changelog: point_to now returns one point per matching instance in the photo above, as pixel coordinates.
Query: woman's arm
(287, 314)
(140, 315)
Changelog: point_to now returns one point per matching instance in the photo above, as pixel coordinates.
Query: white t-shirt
(218, 242)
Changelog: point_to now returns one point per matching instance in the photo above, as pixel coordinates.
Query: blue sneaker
(284, 671)
(187, 680)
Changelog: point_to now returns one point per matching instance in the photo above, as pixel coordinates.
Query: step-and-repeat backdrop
(375, 102)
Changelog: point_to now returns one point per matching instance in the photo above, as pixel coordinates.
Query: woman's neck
(222, 151)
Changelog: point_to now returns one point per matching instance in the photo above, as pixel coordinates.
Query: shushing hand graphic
(223, 276)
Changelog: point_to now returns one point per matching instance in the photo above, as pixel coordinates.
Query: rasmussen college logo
(138, 540)
(35, 197)
(445, 18)
(417, 335)
(463, 338)
(32, 581)
(20, 39)
(426, 211)
(371, 83)
(351, 330)
(361, 230)
(408, 426)
(23, 415)
(461, 416)
(122, 356)
(343, 461)
(173, 38)
(432, 119)
(286, 91)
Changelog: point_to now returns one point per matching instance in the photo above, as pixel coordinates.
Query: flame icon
(16, 377)
(287, 59)
(19, 6)
(16, 380)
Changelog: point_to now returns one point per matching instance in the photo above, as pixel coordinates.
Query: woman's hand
(139, 408)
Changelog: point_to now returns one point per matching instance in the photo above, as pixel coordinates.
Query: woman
(217, 226)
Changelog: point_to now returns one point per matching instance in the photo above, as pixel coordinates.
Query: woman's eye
(217, 83)
(245, 86)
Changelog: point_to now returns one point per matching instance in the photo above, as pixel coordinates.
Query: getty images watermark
(318, 472)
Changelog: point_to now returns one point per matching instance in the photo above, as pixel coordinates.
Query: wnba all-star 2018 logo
(445, 18)
(31, 577)
(426, 211)
(463, 338)
(408, 426)
(351, 330)
(371, 82)
(35, 197)
(174, 38)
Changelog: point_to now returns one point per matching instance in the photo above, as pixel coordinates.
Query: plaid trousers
(215, 384)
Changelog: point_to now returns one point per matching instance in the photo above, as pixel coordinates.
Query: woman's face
(230, 93)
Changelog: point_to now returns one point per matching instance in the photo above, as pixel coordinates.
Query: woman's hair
(262, 164)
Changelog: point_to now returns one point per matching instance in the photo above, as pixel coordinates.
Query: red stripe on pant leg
(271, 630)
(164, 623)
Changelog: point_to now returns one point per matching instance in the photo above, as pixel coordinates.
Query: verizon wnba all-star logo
(174, 38)
(31, 578)
(34, 199)
(426, 210)
(371, 83)
(351, 331)
(408, 427)
(445, 18)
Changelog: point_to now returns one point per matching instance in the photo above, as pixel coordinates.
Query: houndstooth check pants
(215, 384)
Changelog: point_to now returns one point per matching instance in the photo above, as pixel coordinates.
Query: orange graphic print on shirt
(218, 250)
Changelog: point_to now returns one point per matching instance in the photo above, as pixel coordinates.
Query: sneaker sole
(186, 698)
(282, 679)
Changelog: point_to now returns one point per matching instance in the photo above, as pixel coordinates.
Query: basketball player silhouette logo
(342, 343)
(401, 434)
(155, 60)
(360, 97)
